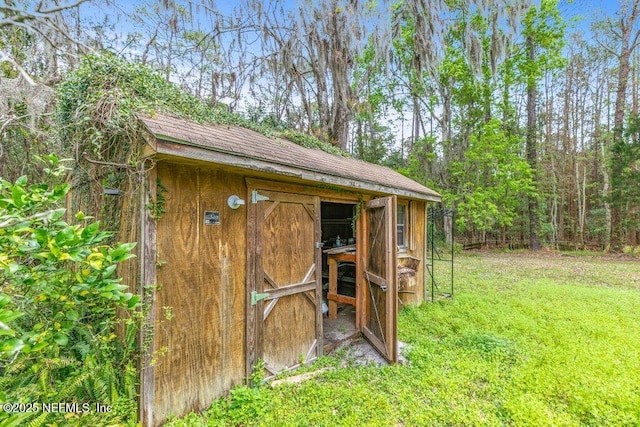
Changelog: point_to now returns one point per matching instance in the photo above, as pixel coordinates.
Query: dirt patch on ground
(360, 352)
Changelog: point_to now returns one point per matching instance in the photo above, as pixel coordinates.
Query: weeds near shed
(528, 340)
(256, 378)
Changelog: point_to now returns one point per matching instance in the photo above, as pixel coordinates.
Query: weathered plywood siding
(200, 300)
(128, 231)
(417, 231)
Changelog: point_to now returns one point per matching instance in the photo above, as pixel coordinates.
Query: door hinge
(257, 197)
(319, 245)
(255, 297)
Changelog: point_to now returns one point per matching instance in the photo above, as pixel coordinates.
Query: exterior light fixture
(234, 202)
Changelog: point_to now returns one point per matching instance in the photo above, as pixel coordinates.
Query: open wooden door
(379, 307)
(285, 299)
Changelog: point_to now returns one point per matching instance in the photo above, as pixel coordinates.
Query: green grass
(527, 340)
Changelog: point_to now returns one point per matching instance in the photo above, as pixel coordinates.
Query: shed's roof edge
(331, 178)
(189, 139)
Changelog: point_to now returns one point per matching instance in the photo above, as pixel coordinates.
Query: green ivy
(157, 208)
(98, 102)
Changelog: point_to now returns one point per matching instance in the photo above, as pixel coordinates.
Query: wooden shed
(255, 236)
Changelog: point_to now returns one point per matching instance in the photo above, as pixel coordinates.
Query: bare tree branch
(60, 8)
(608, 49)
(20, 15)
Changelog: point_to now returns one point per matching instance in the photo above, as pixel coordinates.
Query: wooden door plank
(269, 308)
(251, 313)
(313, 351)
(302, 199)
(372, 327)
(379, 313)
(259, 281)
(287, 225)
(392, 278)
(295, 288)
(337, 196)
(310, 210)
(379, 202)
(270, 209)
(378, 280)
(270, 281)
(318, 291)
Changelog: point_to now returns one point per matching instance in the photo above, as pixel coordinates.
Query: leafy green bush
(58, 300)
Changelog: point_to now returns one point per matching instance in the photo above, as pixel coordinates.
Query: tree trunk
(532, 151)
(448, 228)
(626, 48)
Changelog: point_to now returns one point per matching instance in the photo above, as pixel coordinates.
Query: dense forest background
(526, 122)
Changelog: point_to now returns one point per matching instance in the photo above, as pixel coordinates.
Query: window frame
(406, 244)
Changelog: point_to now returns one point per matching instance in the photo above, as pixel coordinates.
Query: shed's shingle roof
(313, 164)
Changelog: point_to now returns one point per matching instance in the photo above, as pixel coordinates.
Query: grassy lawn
(527, 340)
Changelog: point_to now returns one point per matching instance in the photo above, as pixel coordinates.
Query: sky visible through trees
(523, 114)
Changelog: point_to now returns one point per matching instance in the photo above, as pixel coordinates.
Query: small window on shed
(403, 236)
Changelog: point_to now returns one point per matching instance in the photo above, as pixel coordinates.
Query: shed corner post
(425, 271)
(148, 277)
